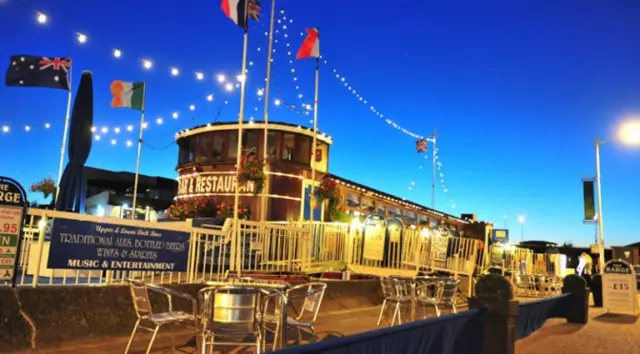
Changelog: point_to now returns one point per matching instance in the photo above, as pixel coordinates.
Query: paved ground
(605, 333)
(331, 324)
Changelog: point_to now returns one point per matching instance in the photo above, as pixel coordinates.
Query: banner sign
(375, 232)
(13, 200)
(439, 245)
(94, 245)
(588, 199)
(211, 184)
(620, 291)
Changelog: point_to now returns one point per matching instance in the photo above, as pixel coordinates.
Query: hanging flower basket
(328, 191)
(252, 170)
(47, 187)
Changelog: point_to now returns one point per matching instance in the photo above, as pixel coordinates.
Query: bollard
(578, 311)
(495, 294)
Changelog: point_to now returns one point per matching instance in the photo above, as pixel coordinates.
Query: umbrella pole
(135, 181)
(65, 132)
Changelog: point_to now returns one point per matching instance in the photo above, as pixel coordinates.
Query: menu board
(375, 230)
(619, 290)
(439, 245)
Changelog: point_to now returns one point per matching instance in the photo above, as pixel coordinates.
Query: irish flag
(128, 94)
(310, 47)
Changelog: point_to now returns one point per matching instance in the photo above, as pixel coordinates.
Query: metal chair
(146, 316)
(230, 315)
(428, 292)
(444, 296)
(312, 293)
(397, 292)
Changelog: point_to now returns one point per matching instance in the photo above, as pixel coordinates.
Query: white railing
(260, 247)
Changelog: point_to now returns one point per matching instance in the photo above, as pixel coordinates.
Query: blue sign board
(95, 245)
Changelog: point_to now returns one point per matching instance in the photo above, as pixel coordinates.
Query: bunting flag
(421, 145)
(38, 71)
(240, 11)
(128, 94)
(310, 47)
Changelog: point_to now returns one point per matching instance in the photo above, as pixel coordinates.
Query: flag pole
(137, 175)
(315, 141)
(236, 196)
(65, 132)
(433, 173)
(265, 153)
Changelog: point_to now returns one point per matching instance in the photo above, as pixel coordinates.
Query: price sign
(620, 292)
(12, 203)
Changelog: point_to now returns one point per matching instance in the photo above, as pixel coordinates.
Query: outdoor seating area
(410, 294)
(232, 312)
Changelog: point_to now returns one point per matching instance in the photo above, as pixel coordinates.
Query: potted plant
(46, 186)
(191, 208)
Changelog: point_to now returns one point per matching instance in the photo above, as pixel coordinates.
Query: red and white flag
(310, 47)
(240, 11)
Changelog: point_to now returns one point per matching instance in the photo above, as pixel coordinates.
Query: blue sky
(517, 90)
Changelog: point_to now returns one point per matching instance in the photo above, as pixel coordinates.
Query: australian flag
(38, 71)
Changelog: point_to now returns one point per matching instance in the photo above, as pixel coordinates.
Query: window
(216, 146)
(205, 143)
(250, 141)
(410, 217)
(367, 205)
(353, 200)
(233, 145)
(394, 212)
(380, 208)
(288, 145)
(187, 150)
(271, 145)
(302, 151)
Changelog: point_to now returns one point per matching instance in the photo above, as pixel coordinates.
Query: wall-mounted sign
(375, 231)
(94, 245)
(620, 291)
(394, 228)
(13, 201)
(500, 235)
(212, 183)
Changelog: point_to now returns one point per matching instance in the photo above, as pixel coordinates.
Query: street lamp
(628, 134)
(505, 222)
(521, 220)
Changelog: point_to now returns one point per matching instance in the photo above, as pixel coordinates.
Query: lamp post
(521, 220)
(628, 134)
(505, 222)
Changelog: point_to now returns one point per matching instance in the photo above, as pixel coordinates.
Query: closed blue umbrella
(73, 183)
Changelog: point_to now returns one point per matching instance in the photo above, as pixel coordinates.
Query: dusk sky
(517, 90)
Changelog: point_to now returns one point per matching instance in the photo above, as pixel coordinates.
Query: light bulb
(199, 76)
(82, 38)
(147, 64)
(42, 18)
(175, 72)
(117, 53)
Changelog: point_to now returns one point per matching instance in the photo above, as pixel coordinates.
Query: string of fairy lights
(227, 82)
(284, 24)
(425, 165)
(113, 134)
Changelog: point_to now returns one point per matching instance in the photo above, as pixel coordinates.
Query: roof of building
(393, 198)
(127, 178)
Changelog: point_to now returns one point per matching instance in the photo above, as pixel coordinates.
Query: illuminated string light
(82, 38)
(147, 64)
(439, 175)
(117, 53)
(42, 18)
